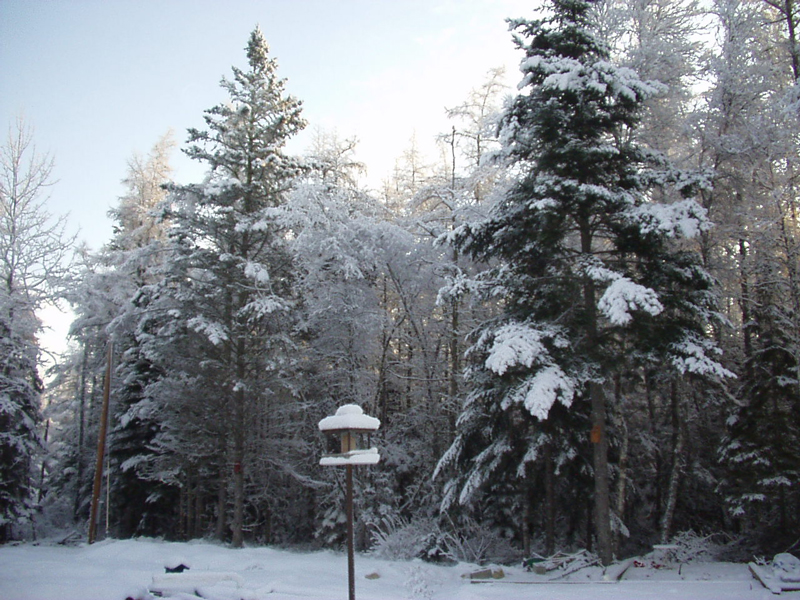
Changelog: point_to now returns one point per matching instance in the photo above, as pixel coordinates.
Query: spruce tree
(591, 269)
(229, 281)
(761, 451)
(133, 256)
(20, 387)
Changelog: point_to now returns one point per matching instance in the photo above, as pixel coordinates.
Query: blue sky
(99, 80)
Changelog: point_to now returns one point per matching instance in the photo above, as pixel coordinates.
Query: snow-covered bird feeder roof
(349, 417)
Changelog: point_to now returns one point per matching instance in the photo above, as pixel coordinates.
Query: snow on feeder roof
(354, 457)
(349, 417)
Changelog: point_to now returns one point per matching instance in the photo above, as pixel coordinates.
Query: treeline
(580, 326)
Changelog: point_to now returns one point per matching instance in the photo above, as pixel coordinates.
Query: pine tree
(592, 274)
(229, 282)
(20, 415)
(761, 448)
(135, 253)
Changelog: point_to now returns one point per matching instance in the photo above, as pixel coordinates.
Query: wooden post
(101, 448)
(351, 575)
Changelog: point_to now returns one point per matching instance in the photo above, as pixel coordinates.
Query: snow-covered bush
(425, 538)
(395, 538)
(474, 542)
(693, 547)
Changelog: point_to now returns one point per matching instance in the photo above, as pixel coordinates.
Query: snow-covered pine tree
(140, 504)
(229, 281)
(590, 270)
(760, 452)
(751, 138)
(20, 415)
(34, 265)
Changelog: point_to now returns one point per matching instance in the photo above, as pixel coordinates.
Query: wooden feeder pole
(351, 561)
(348, 422)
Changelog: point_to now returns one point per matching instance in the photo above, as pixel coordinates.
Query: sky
(101, 80)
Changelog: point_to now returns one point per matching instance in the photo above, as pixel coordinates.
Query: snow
(693, 357)
(215, 332)
(257, 271)
(217, 187)
(569, 74)
(349, 416)
(623, 296)
(541, 391)
(265, 305)
(354, 457)
(685, 218)
(515, 345)
(115, 570)
(787, 566)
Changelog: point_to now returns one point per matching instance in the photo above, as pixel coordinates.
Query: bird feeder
(349, 424)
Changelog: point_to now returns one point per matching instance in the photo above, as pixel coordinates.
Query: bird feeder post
(351, 554)
(349, 422)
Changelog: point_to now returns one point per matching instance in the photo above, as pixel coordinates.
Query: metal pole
(351, 575)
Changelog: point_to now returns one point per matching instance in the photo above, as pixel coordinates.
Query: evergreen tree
(228, 283)
(20, 415)
(592, 274)
(762, 448)
(750, 138)
(135, 253)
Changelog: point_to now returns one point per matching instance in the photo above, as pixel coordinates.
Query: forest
(579, 324)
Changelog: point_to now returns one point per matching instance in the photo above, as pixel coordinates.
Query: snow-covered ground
(115, 570)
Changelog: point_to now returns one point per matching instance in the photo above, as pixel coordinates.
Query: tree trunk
(197, 527)
(81, 432)
(654, 433)
(677, 468)
(351, 581)
(788, 9)
(190, 493)
(602, 513)
(597, 397)
(237, 540)
(622, 478)
(622, 482)
(237, 526)
(101, 448)
(744, 306)
(182, 499)
(550, 500)
(455, 352)
(222, 501)
(527, 520)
